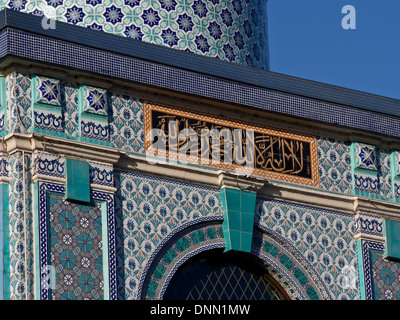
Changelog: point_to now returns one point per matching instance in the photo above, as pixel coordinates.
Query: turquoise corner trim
(4, 244)
(78, 181)
(239, 208)
(361, 269)
(391, 230)
(105, 246)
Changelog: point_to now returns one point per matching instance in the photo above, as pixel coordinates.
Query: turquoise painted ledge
(239, 207)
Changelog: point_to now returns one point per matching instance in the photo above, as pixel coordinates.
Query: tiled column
(20, 227)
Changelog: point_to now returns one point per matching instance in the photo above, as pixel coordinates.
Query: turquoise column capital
(239, 208)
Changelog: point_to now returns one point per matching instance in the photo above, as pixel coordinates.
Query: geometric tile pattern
(385, 277)
(384, 173)
(75, 249)
(47, 90)
(94, 100)
(148, 210)
(72, 240)
(334, 165)
(325, 238)
(365, 156)
(229, 30)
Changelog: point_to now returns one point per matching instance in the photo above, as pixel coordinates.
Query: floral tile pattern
(325, 238)
(334, 165)
(148, 210)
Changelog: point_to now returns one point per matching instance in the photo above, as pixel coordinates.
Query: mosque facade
(148, 153)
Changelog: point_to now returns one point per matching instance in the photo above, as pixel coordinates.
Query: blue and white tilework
(48, 164)
(334, 165)
(384, 174)
(21, 238)
(18, 91)
(101, 174)
(48, 120)
(47, 90)
(233, 30)
(95, 130)
(126, 123)
(325, 238)
(148, 209)
(94, 100)
(368, 225)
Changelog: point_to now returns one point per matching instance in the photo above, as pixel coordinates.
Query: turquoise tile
(239, 209)
(232, 199)
(247, 202)
(236, 240)
(392, 236)
(246, 241)
(234, 220)
(78, 180)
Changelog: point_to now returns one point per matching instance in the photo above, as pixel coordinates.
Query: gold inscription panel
(246, 148)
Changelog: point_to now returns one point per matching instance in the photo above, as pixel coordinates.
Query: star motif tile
(366, 157)
(48, 91)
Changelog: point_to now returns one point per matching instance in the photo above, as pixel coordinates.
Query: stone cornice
(198, 175)
(65, 147)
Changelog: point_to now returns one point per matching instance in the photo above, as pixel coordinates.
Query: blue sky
(307, 40)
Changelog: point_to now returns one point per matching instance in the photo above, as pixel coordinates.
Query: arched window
(214, 275)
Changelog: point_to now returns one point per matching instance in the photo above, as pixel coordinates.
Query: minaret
(232, 30)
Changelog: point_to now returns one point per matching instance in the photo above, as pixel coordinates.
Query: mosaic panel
(365, 156)
(75, 249)
(71, 239)
(385, 277)
(229, 30)
(70, 109)
(325, 238)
